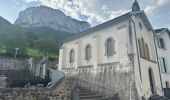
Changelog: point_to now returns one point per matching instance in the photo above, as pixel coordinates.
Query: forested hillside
(37, 41)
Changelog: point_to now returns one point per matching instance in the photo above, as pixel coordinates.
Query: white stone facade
(125, 34)
(97, 41)
(142, 65)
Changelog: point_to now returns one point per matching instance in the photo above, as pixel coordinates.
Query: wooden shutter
(166, 65)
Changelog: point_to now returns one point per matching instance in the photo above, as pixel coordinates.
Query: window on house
(143, 47)
(167, 84)
(161, 43)
(140, 25)
(88, 52)
(110, 47)
(163, 65)
(72, 56)
(140, 47)
(147, 51)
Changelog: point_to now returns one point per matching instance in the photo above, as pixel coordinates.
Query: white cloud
(153, 6)
(104, 7)
(97, 11)
(162, 2)
(28, 1)
(117, 13)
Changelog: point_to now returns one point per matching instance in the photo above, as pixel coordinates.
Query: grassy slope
(38, 41)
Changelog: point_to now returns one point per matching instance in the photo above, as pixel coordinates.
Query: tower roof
(135, 6)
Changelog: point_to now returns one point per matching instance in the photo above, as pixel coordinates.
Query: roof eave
(144, 18)
(113, 21)
(98, 27)
(163, 31)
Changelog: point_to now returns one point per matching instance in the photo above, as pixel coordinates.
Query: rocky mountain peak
(52, 18)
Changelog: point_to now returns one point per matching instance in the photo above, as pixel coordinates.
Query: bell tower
(135, 6)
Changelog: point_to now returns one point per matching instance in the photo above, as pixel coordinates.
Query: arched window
(110, 47)
(88, 52)
(142, 48)
(72, 56)
(147, 51)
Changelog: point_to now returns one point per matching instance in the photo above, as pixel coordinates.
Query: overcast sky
(93, 11)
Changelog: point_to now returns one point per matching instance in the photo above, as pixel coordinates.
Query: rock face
(49, 17)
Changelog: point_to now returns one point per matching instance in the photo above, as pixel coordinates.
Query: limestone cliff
(49, 17)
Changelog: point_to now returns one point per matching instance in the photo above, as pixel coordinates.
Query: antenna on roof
(135, 6)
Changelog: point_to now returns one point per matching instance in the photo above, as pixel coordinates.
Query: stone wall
(108, 79)
(13, 64)
(62, 91)
(21, 71)
(13, 69)
(3, 82)
(18, 78)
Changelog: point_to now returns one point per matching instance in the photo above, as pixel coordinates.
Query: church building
(118, 57)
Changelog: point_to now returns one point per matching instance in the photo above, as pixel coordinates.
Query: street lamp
(16, 51)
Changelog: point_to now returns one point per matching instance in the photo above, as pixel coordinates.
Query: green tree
(47, 44)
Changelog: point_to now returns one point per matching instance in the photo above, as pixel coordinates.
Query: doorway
(151, 80)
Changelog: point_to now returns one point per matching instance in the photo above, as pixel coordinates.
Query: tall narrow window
(143, 48)
(161, 43)
(140, 47)
(88, 52)
(72, 56)
(147, 52)
(110, 47)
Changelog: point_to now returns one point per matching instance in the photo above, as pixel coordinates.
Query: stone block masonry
(61, 91)
(13, 64)
(110, 80)
(3, 82)
(21, 71)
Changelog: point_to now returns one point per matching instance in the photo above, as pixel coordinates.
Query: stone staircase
(85, 94)
(157, 97)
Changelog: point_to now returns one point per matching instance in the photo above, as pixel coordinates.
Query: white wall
(97, 41)
(121, 36)
(143, 82)
(166, 54)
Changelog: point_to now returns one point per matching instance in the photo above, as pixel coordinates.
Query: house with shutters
(118, 58)
(162, 37)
